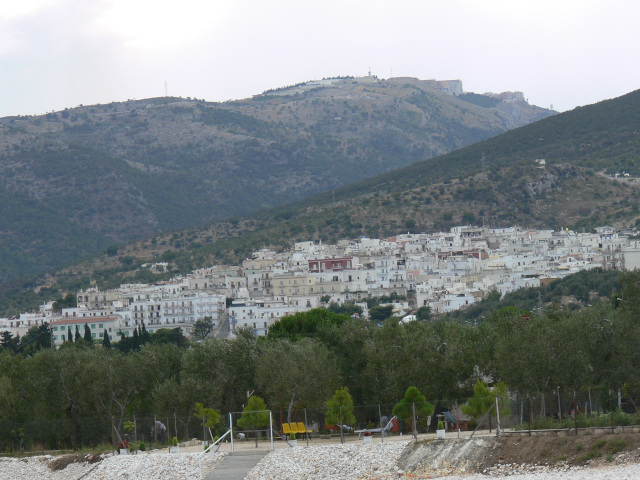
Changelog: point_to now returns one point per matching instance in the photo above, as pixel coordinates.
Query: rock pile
(141, 467)
(335, 462)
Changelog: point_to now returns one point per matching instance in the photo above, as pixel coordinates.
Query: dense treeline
(308, 356)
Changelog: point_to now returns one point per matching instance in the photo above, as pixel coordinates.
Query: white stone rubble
(335, 462)
(181, 466)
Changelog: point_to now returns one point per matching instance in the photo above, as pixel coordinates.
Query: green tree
(170, 335)
(202, 328)
(423, 313)
(7, 342)
(290, 373)
(106, 342)
(345, 308)
(210, 417)
(254, 415)
(69, 301)
(306, 324)
(340, 410)
(380, 313)
(77, 335)
(87, 333)
(35, 339)
(145, 336)
(413, 403)
(484, 399)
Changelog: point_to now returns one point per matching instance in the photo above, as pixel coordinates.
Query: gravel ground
(348, 461)
(140, 467)
(352, 461)
(624, 472)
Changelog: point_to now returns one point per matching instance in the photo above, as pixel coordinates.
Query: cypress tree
(145, 337)
(106, 343)
(136, 339)
(87, 333)
(77, 337)
(69, 334)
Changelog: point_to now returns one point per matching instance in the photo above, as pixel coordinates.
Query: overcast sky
(63, 53)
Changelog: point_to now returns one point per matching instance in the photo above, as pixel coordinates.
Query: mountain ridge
(109, 174)
(510, 187)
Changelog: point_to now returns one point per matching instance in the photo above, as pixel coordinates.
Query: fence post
(341, 433)
(497, 419)
(559, 405)
(231, 428)
(271, 426)
(306, 426)
(175, 424)
(529, 413)
(575, 410)
(415, 426)
(135, 433)
(381, 426)
(619, 400)
(113, 436)
(611, 410)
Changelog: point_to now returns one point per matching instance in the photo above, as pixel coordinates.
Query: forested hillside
(94, 176)
(497, 182)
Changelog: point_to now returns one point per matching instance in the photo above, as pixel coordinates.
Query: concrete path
(236, 465)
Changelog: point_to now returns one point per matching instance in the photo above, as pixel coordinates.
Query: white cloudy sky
(62, 53)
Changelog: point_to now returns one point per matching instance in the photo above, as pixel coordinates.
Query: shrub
(292, 436)
(440, 425)
(174, 441)
(142, 447)
(621, 418)
(617, 445)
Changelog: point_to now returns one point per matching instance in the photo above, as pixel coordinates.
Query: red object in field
(395, 427)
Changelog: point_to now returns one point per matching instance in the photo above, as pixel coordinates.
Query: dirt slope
(514, 453)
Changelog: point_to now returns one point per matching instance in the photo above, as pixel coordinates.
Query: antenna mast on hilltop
(484, 163)
(166, 94)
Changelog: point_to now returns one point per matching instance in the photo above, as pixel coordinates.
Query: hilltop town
(442, 271)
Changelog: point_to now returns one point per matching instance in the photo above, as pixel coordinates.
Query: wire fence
(553, 409)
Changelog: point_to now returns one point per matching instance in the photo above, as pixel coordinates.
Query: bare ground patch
(60, 463)
(512, 453)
